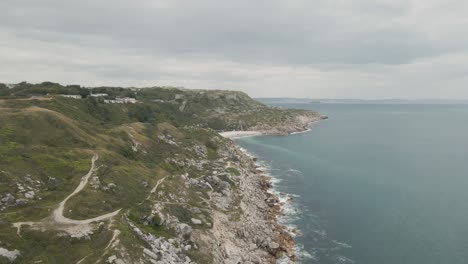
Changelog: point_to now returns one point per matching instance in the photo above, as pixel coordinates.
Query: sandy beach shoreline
(240, 134)
(304, 127)
(255, 133)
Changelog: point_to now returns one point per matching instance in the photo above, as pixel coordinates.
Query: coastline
(275, 131)
(240, 134)
(282, 246)
(278, 205)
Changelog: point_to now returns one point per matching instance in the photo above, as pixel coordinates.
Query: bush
(141, 112)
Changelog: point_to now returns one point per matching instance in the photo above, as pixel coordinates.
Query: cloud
(344, 49)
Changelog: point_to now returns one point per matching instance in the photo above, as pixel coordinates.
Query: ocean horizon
(376, 183)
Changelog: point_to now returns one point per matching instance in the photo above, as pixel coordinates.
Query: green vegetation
(219, 110)
(47, 141)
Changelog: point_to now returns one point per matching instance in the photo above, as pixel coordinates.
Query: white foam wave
(292, 212)
(344, 260)
(246, 152)
(341, 244)
(303, 254)
(301, 132)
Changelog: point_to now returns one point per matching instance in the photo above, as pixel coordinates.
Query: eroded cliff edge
(165, 189)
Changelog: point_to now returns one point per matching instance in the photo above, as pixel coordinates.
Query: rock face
(293, 124)
(175, 191)
(250, 233)
(162, 251)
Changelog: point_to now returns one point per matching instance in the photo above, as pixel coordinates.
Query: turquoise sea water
(375, 184)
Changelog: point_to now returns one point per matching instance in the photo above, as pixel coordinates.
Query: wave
(293, 212)
(301, 132)
(294, 170)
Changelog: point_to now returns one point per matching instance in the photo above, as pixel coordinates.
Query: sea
(374, 184)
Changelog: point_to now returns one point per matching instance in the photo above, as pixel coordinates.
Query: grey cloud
(314, 48)
(303, 32)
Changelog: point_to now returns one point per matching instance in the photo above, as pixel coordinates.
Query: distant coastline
(359, 101)
(285, 130)
(240, 134)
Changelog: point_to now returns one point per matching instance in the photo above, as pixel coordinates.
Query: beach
(239, 134)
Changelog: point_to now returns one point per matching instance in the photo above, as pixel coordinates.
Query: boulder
(29, 195)
(150, 254)
(114, 260)
(273, 245)
(196, 221)
(183, 229)
(8, 198)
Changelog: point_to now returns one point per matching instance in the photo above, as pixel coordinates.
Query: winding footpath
(57, 221)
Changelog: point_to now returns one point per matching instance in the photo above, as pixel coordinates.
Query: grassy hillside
(167, 138)
(216, 109)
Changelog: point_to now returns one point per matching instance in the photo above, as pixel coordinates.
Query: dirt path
(112, 244)
(76, 228)
(155, 187)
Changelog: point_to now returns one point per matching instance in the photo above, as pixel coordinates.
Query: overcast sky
(366, 49)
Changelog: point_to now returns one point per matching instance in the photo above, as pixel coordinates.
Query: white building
(99, 95)
(71, 96)
(121, 100)
(128, 100)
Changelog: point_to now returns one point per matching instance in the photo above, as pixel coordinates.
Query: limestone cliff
(130, 175)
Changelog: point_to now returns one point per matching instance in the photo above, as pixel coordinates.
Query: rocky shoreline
(300, 124)
(258, 237)
(167, 188)
(296, 124)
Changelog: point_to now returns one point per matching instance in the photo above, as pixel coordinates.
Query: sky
(368, 49)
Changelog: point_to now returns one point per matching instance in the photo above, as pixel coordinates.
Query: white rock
(196, 221)
(184, 229)
(29, 195)
(150, 254)
(8, 198)
(273, 245)
(111, 258)
(10, 255)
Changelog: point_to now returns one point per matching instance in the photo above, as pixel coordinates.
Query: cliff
(90, 176)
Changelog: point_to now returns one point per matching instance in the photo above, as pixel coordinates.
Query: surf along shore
(281, 243)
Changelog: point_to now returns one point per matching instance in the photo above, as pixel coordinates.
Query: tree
(84, 92)
(4, 91)
(141, 112)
